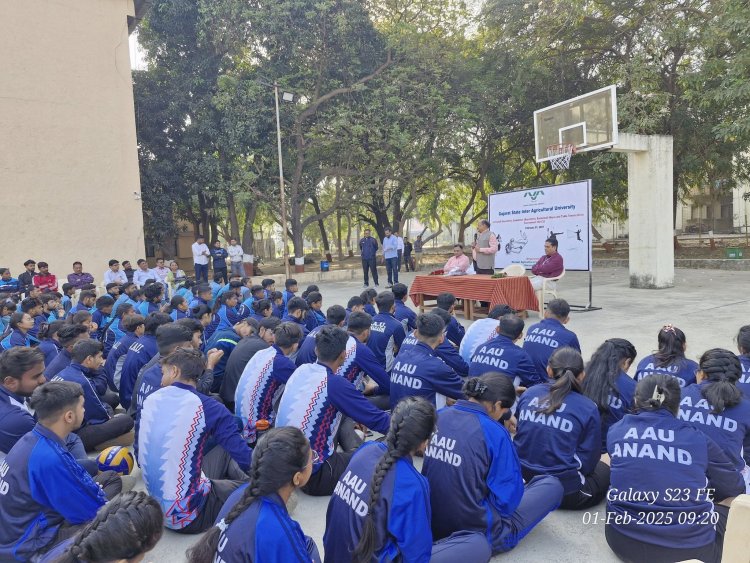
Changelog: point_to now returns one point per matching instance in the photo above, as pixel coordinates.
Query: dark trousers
(93, 435)
(391, 267)
(383, 402)
(226, 477)
(201, 273)
(590, 494)
(111, 398)
(347, 437)
(400, 258)
(223, 273)
(323, 481)
(408, 262)
(541, 496)
(370, 265)
(633, 551)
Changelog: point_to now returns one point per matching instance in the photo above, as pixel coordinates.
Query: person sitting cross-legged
(543, 338)
(315, 388)
(190, 481)
(22, 371)
(261, 338)
(100, 425)
(503, 355)
(420, 372)
(50, 495)
(264, 378)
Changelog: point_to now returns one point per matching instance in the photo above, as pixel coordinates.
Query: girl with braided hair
(471, 461)
(608, 384)
(717, 407)
(380, 508)
(124, 529)
(559, 433)
(669, 358)
(743, 343)
(671, 484)
(254, 524)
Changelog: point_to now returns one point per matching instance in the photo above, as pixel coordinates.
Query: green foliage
(410, 108)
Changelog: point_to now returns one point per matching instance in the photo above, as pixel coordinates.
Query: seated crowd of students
(234, 395)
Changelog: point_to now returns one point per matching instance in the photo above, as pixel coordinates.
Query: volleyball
(116, 458)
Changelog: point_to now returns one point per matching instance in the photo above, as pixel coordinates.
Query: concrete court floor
(708, 305)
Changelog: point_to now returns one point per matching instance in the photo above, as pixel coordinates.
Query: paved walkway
(709, 306)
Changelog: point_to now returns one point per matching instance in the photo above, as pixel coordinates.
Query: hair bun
(476, 387)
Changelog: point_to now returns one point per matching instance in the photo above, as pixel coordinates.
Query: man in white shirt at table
(458, 263)
(200, 259)
(114, 274)
(143, 274)
(235, 258)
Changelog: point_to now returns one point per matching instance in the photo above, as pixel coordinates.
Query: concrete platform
(709, 306)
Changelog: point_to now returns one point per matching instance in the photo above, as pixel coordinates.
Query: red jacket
(548, 266)
(46, 283)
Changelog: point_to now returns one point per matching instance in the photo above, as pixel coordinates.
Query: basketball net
(559, 155)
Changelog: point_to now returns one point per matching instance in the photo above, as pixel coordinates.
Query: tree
(654, 51)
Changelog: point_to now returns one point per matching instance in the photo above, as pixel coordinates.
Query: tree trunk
(202, 204)
(339, 242)
(214, 227)
(234, 223)
(349, 234)
(298, 238)
(248, 238)
(321, 226)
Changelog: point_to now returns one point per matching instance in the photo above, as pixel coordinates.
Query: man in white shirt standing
(143, 274)
(235, 258)
(114, 274)
(400, 249)
(200, 259)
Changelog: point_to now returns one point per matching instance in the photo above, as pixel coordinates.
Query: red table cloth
(514, 291)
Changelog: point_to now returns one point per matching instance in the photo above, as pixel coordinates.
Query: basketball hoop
(559, 155)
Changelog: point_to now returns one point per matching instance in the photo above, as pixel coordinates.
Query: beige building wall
(68, 157)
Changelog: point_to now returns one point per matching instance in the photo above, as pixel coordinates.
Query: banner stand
(589, 307)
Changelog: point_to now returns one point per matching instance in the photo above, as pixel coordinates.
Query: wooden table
(514, 291)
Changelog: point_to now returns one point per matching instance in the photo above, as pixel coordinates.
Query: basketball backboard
(589, 122)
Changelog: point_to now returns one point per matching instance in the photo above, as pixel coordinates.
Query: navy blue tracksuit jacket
(445, 351)
(565, 444)
(402, 516)
(655, 452)
(386, 335)
(40, 479)
(501, 354)
(471, 461)
(419, 372)
(543, 338)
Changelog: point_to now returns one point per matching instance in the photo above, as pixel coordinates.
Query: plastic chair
(547, 289)
(514, 271)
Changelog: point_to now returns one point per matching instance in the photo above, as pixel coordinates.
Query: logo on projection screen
(533, 195)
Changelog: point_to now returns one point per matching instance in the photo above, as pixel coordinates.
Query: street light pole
(284, 234)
